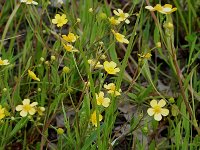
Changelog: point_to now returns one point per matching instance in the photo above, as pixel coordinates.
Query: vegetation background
(68, 83)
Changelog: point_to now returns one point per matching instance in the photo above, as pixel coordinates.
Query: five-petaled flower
(122, 16)
(110, 67)
(70, 37)
(29, 2)
(2, 112)
(112, 89)
(4, 62)
(120, 37)
(101, 100)
(27, 108)
(93, 118)
(157, 109)
(60, 20)
(166, 9)
(33, 75)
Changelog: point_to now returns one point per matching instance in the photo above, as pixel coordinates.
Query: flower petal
(26, 101)
(153, 103)
(157, 117)
(23, 113)
(32, 111)
(19, 107)
(164, 111)
(34, 104)
(150, 111)
(162, 103)
(106, 102)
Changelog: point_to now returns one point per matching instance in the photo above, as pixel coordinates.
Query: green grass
(28, 40)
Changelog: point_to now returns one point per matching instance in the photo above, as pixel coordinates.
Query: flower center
(157, 109)
(30, 1)
(1, 62)
(167, 9)
(122, 15)
(27, 107)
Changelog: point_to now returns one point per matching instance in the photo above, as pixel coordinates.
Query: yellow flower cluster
(68, 39)
(29, 108)
(166, 9)
(121, 17)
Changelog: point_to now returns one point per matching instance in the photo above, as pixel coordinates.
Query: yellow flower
(147, 55)
(69, 48)
(32, 75)
(4, 62)
(114, 21)
(95, 64)
(70, 37)
(93, 118)
(110, 67)
(66, 69)
(60, 131)
(26, 108)
(112, 89)
(122, 16)
(166, 9)
(90, 10)
(29, 2)
(40, 110)
(2, 112)
(60, 20)
(157, 109)
(101, 100)
(119, 37)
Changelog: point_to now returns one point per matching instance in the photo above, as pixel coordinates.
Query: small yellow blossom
(114, 21)
(78, 20)
(40, 110)
(158, 44)
(60, 131)
(90, 10)
(122, 16)
(157, 109)
(112, 89)
(29, 2)
(147, 55)
(60, 20)
(2, 112)
(110, 67)
(53, 58)
(166, 9)
(32, 75)
(119, 37)
(4, 62)
(69, 48)
(70, 37)
(93, 118)
(101, 100)
(27, 108)
(66, 69)
(95, 64)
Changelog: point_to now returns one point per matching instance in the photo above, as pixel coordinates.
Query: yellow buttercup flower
(70, 37)
(93, 118)
(157, 109)
(112, 89)
(2, 112)
(114, 21)
(95, 64)
(119, 37)
(40, 110)
(60, 20)
(122, 16)
(101, 100)
(32, 75)
(166, 9)
(27, 108)
(110, 67)
(69, 48)
(4, 62)
(29, 2)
